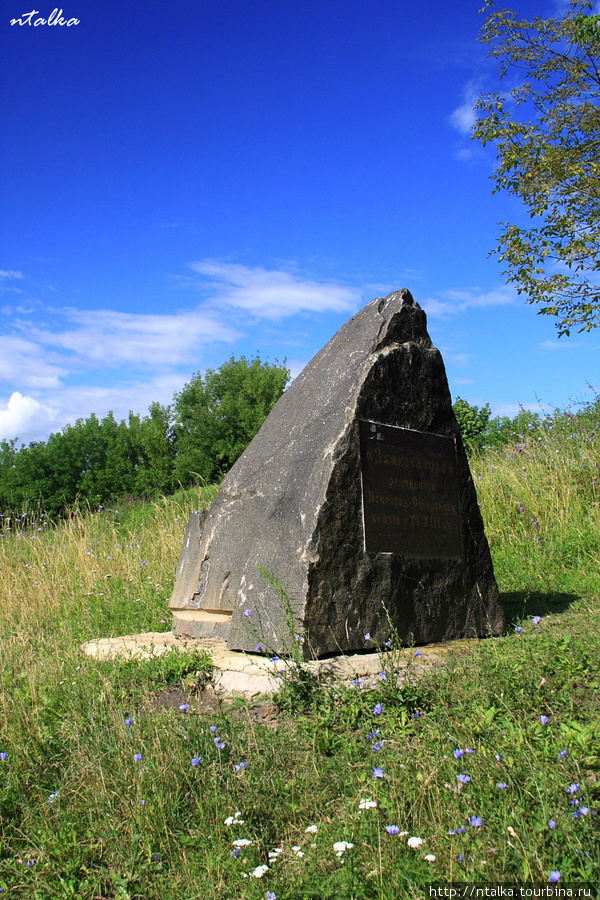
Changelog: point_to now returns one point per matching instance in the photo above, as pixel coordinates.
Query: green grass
(81, 817)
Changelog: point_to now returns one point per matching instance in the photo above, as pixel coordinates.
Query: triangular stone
(356, 497)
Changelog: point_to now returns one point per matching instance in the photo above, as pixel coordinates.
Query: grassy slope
(81, 817)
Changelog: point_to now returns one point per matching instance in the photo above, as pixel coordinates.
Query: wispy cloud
(272, 293)
(463, 118)
(59, 364)
(454, 302)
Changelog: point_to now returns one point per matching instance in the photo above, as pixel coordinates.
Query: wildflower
(460, 858)
(536, 619)
(499, 757)
(584, 811)
(544, 720)
(373, 734)
(312, 829)
(247, 612)
(235, 853)
(460, 830)
(392, 829)
(378, 709)
(464, 779)
(3, 755)
(137, 756)
(573, 788)
(554, 876)
(184, 707)
(239, 766)
(562, 754)
(502, 785)
(357, 682)
(429, 857)
(274, 659)
(241, 842)
(383, 676)
(417, 714)
(551, 824)
(366, 803)
(129, 722)
(340, 847)
(259, 871)
(219, 744)
(196, 760)
(271, 895)
(475, 821)
(377, 746)
(368, 636)
(234, 820)
(458, 753)
(418, 653)
(52, 797)
(259, 648)
(378, 772)
(518, 628)
(414, 842)
(30, 863)
(388, 644)
(213, 728)
(469, 750)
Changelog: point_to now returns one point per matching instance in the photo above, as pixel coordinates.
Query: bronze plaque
(410, 493)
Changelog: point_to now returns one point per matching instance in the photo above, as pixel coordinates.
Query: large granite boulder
(356, 498)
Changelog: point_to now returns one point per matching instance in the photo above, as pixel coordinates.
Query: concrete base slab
(250, 675)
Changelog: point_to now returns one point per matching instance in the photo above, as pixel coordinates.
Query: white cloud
(463, 118)
(272, 293)
(25, 414)
(454, 302)
(108, 338)
(10, 274)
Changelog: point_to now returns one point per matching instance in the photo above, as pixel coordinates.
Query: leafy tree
(473, 422)
(216, 416)
(157, 449)
(546, 129)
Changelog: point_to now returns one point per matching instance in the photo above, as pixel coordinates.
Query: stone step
(197, 623)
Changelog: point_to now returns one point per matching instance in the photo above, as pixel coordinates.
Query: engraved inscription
(410, 492)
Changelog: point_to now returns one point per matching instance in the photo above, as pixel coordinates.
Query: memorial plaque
(410, 493)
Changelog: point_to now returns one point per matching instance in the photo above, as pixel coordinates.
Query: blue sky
(186, 181)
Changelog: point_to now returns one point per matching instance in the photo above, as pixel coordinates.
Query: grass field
(486, 769)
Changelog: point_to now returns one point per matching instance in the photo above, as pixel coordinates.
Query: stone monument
(355, 500)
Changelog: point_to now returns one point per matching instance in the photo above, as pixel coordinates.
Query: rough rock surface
(292, 506)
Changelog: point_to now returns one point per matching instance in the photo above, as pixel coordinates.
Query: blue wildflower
(464, 779)
(475, 821)
(378, 772)
(554, 876)
(458, 753)
(378, 709)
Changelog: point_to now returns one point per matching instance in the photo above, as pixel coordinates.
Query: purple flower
(499, 757)
(259, 648)
(378, 772)
(518, 628)
(536, 620)
(219, 744)
(460, 858)
(502, 785)
(129, 722)
(554, 876)
(373, 734)
(475, 821)
(562, 754)
(469, 750)
(274, 659)
(271, 895)
(378, 746)
(378, 709)
(247, 612)
(458, 830)
(213, 728)
(388, 644)
(196, 760)
(368, 636)
(3, 755)
(418, 653)
(544, 720)
(137, 756)
(235, 853)
(458, 753)
(417, 714)
(464, 779)
(392, 829)
(184, 707)
(383, 676)
(573, 788)
(239, 766)
(551, 824)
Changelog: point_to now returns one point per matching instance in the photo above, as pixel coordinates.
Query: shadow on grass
(520, 604)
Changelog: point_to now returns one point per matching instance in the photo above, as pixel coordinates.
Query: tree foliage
(216, 416)
(546, 130)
